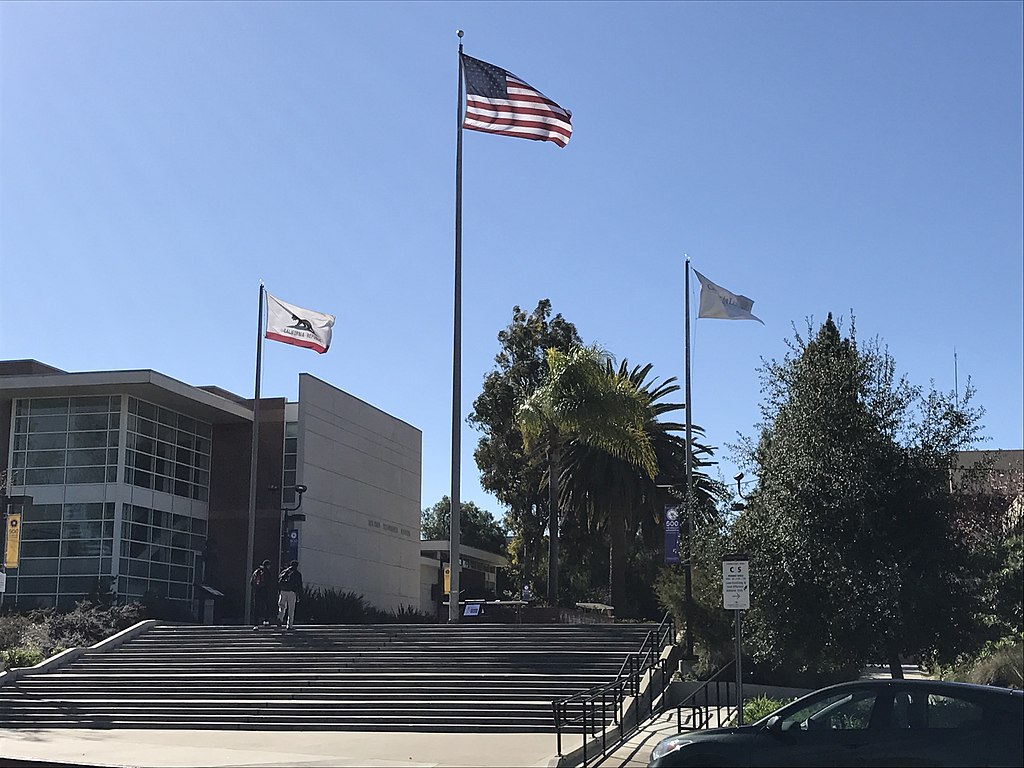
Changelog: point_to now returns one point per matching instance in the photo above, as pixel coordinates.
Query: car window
(950, 712)
(843, 711)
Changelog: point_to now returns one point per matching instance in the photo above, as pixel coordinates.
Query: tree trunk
(617, 533)
(554, 462)
(895, 667)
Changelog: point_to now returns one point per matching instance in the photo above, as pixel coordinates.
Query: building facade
(139, 488)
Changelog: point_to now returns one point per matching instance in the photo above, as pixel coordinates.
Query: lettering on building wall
(390, 528)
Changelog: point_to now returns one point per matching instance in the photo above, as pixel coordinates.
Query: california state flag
(298, 326)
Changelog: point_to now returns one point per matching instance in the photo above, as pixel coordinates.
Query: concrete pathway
(228, 748)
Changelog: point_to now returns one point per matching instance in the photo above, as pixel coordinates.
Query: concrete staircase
(446, 678)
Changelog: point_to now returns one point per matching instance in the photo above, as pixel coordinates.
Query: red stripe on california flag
(296, 342)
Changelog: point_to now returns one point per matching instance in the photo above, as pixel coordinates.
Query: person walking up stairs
(290, 584)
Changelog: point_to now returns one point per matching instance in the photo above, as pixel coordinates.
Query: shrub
(21, 656)
(760, 706)
(1000, 664)
(329, 606)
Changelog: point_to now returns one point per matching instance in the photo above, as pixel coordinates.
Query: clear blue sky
(157, 160)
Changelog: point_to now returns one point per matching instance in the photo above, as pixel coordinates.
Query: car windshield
(838, 710)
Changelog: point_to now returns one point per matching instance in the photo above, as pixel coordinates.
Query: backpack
(257, 578)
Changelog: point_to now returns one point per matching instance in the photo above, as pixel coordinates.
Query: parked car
(870, 722)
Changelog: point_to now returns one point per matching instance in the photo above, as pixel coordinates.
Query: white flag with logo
(298, 326)
(717, 302)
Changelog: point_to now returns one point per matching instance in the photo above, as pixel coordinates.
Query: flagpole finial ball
(459, 32)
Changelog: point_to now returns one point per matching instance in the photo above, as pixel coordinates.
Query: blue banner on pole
(293, 545)
(672, 516)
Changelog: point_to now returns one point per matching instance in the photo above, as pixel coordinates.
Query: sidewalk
(223, 749)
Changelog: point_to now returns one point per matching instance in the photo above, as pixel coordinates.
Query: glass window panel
(167, 434)
(80, 585)
(133, 405)
(111, 474)
(48, 424)
(90, 404)
(21, 443)
(180, 556)
(139, 514)
(164, 484)
(40, 531)
(124, 565)
(21, 408)
(180, 540)
(159, 518)
(45, 459)
(107, 547)
(108, 529)
(93, 511)
(203, 430)
(112, 456)
(80, 548)
(136, 549)
(158, 588)
(186, 424)
(165, 450)
(203, 445)
(178, 573)
(198, 542)
(167, 417)
(43, 513)
(43, 477)
(88, 421)
(158, 571)
(106, 566)
(183, 471)
(137, 532)
(37, 566)
(182, 488)
(47, 441)
(185, 456)
(144, 462)
(179, 591)
(74, 566)
(202, 477)
(142, 479)
(186, 440)
(44, 406)
(31, 602)
(163, 467)
(204, 493)
(108, 510)
(86, 440)
(114, 422)
(147, 410)
(179, 522)
(37, 584)
(87, 457)
(145, 445)
(203, 461)
(133, 426)
(86, 475)
(291, 429)
(137, 587)
(138, 568)
(198, 525)
(146, 427)
(124, 549)
(19, 460)
(290, 460)
(21, 424)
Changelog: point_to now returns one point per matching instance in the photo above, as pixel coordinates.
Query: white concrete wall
(362, 467)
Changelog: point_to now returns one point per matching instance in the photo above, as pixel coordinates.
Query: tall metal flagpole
(252, 462)
(455, 532)
(688, 565)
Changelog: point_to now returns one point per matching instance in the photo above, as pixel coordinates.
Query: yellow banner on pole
(13, 540)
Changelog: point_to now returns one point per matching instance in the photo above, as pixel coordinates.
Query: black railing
(594, 710)
(699, 702)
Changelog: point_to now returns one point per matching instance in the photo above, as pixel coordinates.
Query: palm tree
(613, 496)
(581, 402)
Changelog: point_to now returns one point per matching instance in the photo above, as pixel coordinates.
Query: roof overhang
(146, 385)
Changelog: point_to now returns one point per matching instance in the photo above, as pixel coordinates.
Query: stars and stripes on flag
(717, 302)
(499, 102)
(295, 325)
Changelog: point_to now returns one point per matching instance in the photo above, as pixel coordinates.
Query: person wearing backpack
(261, 604)
(290, 585)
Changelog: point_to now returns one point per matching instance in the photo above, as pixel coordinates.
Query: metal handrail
(704, 710)
(604, 703)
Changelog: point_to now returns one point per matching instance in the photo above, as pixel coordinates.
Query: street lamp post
(287, 516)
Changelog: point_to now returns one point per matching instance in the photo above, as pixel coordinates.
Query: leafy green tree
(478, 527)
(616, 501)
(506, 469)
(854, 556)
(580, 401)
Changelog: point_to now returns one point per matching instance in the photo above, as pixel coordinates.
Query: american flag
(499, 102)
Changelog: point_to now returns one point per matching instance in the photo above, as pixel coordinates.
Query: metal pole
(455, 532)
(252, 462)
(687, 564)
(739, 666)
